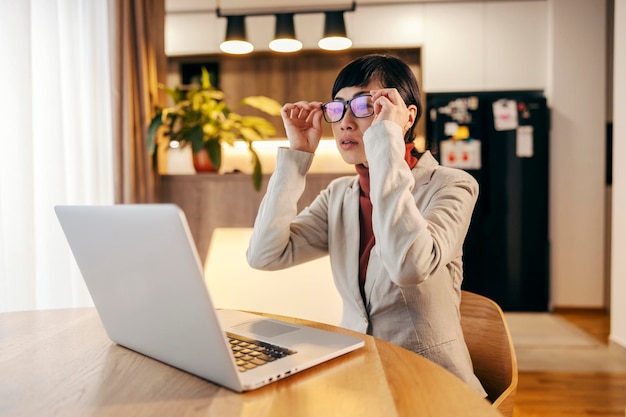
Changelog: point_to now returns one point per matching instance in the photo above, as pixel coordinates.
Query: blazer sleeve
(417, 230)
(280, 237)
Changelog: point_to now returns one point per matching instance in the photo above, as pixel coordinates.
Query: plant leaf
(215, 152)
(249, 134)
(257, 172)
(265, 104)
(196, 137)
(228, 137)
(152, 131)
(206, 80)
(211, 95)
(262, 126)
(174, 93)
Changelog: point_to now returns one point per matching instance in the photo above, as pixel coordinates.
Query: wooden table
(61, 363)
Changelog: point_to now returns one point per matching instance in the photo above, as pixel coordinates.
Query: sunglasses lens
(362, 106)
(333, 111)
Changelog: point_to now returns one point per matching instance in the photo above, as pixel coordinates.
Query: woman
(394, 233)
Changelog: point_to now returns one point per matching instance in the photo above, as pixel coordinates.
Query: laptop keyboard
(251, 353)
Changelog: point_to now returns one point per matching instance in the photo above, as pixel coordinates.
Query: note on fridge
(464, 154)
(524, 142)
(505, 114)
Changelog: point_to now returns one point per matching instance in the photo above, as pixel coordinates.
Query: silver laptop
(144, 275)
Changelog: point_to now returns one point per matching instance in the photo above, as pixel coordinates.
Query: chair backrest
(491, 349)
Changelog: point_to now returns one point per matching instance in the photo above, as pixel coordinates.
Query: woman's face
(349, 131)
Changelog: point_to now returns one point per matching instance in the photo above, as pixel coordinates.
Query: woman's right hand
(303, 124)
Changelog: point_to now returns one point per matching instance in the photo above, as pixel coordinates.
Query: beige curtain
(139, 66)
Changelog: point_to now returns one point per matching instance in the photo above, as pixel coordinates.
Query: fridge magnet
(450, 128)
(459, 111)
(505, 114)
(461, 133)
(472, 102)
(524, 142)
(464, 154)
(523, 110)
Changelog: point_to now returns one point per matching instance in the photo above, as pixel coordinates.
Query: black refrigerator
(501, 139)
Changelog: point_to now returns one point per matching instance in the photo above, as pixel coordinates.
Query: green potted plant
(199, 118)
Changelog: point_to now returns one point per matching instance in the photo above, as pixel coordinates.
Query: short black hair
(391, 72)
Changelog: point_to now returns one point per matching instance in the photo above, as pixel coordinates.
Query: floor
(586, 381)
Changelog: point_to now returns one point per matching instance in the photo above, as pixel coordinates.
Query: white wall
(618, 265)
(484, 46)
(555, 45)
(576, 93)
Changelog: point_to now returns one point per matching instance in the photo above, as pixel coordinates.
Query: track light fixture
(285, 37)
(335, 37)
(236, 41)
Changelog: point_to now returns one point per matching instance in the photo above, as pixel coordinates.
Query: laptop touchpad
(264, 328)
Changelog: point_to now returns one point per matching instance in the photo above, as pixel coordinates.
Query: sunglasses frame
(346, 104)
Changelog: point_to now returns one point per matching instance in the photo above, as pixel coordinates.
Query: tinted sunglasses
(360, 106)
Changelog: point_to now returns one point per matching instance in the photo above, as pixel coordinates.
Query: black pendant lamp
(335, 37)
(236, 41)
(285, 36)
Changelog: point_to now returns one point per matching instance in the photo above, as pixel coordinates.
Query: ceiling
(271, 6)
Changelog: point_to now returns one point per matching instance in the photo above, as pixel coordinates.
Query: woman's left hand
(389, 105)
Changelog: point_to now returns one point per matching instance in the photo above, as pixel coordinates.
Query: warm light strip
(325, 144)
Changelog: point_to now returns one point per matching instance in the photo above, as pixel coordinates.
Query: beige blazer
(420, 219)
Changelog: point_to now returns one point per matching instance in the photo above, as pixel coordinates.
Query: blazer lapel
(424, 169)
(351, 222)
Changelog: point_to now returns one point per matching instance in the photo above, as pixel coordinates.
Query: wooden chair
(491, 348)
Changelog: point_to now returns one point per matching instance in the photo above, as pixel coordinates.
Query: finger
(301, 109)
(380, 103)
(288, 109)
(307, 105)
(314, 114)
(308, 108)
(392, 95)
(316, 119)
